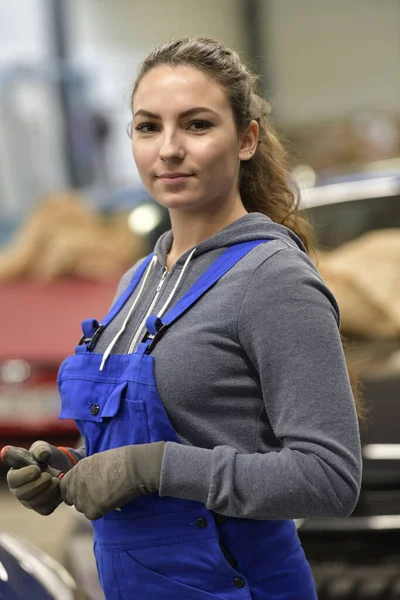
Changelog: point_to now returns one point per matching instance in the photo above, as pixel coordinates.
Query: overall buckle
(92, 340)
(160, 328)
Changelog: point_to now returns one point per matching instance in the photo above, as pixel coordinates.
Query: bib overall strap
(128, 291)
(92, 329)
(157, 327)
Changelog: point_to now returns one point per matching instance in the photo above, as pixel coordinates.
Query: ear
(249, 141)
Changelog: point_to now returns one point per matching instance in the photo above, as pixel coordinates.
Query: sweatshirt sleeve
(288, 327)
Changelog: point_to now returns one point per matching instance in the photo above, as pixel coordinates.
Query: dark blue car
(28, 573)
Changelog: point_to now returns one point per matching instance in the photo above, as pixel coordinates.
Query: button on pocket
(90, 400)
(239, 582)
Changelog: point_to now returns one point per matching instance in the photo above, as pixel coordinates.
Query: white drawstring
(164, 308)
(120, 332)
(143, 323)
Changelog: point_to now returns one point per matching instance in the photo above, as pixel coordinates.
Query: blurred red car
(40, 326)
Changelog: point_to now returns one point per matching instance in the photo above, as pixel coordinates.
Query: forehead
(167, 88)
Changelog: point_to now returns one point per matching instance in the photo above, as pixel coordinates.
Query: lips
(174, 180)
(174, 175)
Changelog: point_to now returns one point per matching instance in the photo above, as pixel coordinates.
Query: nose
(171, 149)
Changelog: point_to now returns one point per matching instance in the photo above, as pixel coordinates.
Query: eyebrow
(186, 113)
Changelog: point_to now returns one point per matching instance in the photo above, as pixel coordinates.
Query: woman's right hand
(34, 487)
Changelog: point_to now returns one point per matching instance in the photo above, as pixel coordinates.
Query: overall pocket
(188, 570)
(104, 414)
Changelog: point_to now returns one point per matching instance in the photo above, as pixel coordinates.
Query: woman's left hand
(107, 480)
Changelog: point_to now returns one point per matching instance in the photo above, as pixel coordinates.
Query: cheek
(142, 157)
(216, 158)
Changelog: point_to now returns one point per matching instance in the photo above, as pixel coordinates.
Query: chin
(178, 203)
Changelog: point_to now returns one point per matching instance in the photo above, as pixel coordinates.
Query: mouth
(175, 175)
(174, 178)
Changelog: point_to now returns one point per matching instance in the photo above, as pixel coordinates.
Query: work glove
(35, 488)
(108, 480)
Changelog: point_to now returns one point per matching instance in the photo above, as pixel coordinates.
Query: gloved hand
(35, 488)
(107, 480)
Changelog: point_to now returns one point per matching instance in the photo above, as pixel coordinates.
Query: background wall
(111, 38)
(22, 32)
(329, 58)
(314, 48)
(324, 59)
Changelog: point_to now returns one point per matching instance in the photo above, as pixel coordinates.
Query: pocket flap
(89, 400)
(113, 402)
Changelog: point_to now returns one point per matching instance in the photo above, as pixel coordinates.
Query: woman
(214, 399)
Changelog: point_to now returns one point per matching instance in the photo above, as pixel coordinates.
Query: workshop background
(74, 216)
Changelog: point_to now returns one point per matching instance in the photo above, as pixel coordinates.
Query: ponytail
(265, 188)
(265, 184)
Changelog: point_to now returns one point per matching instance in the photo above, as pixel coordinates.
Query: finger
(49, 494)
(41, 450)
(32, 489)
(19, 477)
(82, 503)
(46, 508)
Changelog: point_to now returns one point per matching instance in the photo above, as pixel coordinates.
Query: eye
(199, 125)
(146, 127)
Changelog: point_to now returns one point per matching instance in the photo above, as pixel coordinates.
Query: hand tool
(20, 457)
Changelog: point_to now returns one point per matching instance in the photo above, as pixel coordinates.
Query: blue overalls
(155, 547)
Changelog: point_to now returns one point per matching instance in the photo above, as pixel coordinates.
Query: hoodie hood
(253, 226)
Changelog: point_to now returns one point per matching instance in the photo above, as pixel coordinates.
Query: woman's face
(184, 139)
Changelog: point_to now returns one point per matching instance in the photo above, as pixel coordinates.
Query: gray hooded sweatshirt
(252, 377)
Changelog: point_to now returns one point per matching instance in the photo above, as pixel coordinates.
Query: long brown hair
(265, 184)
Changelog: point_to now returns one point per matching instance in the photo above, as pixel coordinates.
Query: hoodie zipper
(149, 311)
